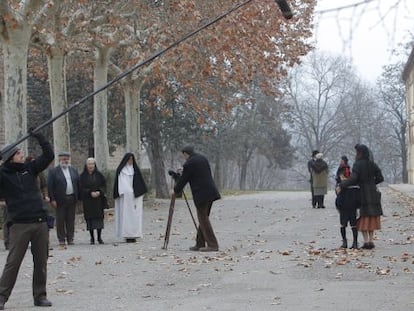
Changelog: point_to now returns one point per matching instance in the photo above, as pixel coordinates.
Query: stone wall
(408, 76)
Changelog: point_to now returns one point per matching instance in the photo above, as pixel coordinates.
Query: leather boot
(355, 235)
(42, 302)
(2, 302)
(344, 244)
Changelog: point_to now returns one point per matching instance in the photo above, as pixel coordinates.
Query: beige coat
(320, 182)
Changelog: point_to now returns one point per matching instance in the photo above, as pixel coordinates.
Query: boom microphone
(284, 7)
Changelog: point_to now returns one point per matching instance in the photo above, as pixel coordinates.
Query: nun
(129, 190)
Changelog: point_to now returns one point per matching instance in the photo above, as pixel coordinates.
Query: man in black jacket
(27, 219)
(197, 172)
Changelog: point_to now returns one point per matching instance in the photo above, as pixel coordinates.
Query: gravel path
(276, 253)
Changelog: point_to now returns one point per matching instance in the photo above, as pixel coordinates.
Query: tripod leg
(170, 216)
(189, 209)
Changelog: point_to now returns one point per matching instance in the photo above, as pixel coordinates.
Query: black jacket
(348, 199)
(92, 207)
(197, 172)
(20, 187)
(56, 184)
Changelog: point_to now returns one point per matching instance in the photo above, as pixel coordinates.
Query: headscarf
(138, 184)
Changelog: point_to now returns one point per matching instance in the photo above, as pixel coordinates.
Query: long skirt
(94, 223)
(369, 223)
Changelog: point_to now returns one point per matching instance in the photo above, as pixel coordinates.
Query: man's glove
(36, 135)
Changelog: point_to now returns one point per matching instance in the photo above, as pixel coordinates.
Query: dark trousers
(65, 220)
(205, 233)
(319, 199)
(20, 236)
(5, 228)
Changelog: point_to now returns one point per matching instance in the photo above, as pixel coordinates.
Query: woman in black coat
(92, 189)
(367, 175)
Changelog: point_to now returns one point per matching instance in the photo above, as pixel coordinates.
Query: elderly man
(63, 188)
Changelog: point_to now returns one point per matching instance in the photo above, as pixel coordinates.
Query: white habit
(128, 209)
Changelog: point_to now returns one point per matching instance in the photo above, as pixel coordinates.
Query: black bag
(50, 221)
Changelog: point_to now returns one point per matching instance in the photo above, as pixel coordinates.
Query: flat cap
(64, 154)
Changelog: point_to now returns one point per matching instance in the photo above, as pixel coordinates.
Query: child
(347, 202)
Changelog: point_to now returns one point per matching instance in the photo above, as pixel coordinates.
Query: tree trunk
(15, 84)
(56, 60)
(161, 187)
(243, 175)
(157, 155)
(100, 109)
(132, 96)
(218, 172)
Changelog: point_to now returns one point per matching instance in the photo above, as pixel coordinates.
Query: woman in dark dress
(366, 174)
(92, 188)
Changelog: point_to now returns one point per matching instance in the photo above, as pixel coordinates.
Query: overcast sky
(366, 33)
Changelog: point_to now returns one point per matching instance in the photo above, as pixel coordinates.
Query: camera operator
(197, 172)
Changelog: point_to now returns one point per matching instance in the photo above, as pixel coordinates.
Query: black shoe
(323, 206)
(100, 241)
(42, 302)
(92, 241)
(344, 244)
(131, 240)
(208, 249)
(354, 245)
(366, 246)
(194, 248)
(71, 242)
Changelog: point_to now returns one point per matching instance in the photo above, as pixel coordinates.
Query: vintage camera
(174, 175)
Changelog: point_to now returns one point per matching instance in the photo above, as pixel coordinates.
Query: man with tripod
(197, 172)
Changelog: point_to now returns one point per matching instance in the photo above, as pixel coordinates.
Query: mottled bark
(15, 84)
(58, 98)
(100, 109)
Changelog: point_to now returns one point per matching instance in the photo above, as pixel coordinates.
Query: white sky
(367, 33)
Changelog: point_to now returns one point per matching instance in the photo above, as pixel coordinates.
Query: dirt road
(276, 253)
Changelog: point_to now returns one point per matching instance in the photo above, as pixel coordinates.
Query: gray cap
(7, 153)
(64, 154)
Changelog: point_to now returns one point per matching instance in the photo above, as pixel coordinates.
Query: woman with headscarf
(366, 174)
(319, 171)
(92, 189)
(129, 190)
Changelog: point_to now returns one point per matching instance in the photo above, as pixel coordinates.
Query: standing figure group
(356, 189)
(366, 175)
